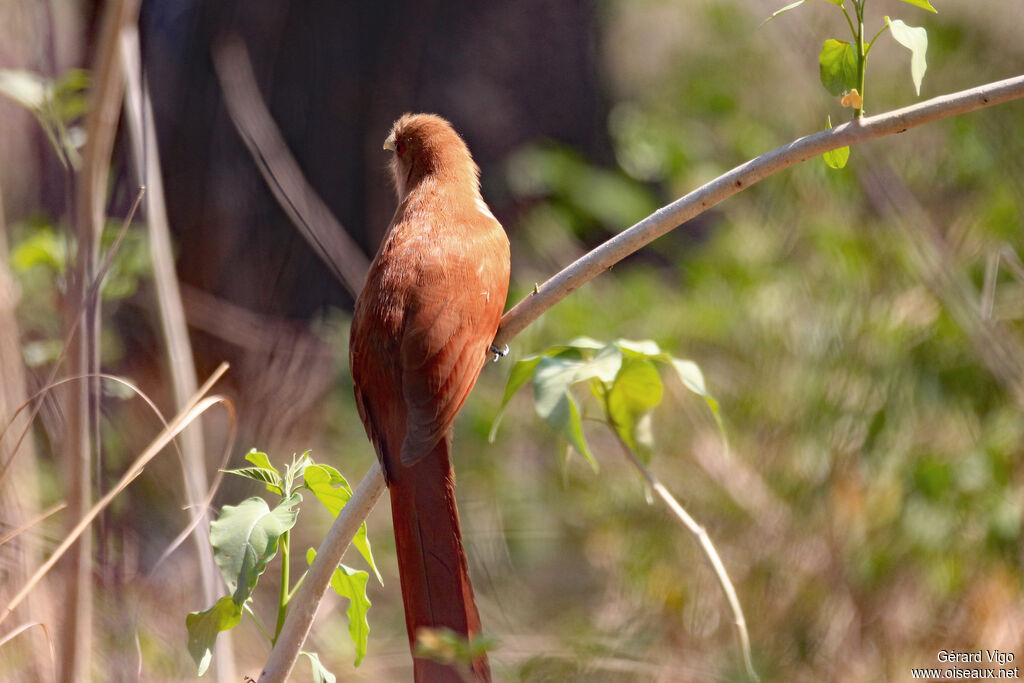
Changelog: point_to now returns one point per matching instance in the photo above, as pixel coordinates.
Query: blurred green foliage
(870, 513)
(57, 104)
(38, 260)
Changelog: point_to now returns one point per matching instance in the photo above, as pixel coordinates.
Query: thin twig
(46, 634)
(280, 171)
(98, 375)
(1003, 253)
(988, 288)
(1013, 261)
(93, 291)
(14, 533)
(706, 545)
(703, 198)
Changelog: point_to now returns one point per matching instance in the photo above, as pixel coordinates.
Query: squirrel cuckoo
(421, 331)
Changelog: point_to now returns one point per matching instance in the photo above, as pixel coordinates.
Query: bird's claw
(498, 353)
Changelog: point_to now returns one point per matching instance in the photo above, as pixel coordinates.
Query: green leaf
(270, 476)
(915, 39)
(637, 389)
(783, 10)
(41, 248)
(646, 348)
(329, 487)
(557, 406)
(333, 490)
(691, 376)
(581, 344)
(838, 66)
(621, 371)
(204, 626)
(245, 539)
(261, 475)
(523, 370)
(351, 583)
(52, 104)
(27, 88)
(362, 543)
(521, 373)
(320, 672)
(836, 158)
(552, 380)
(693, 379)
(604, 366)
(923, 4)
(260, 459)
(295, 470)
(41, 352)
(70, 94)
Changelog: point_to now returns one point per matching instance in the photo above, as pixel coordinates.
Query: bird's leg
(498, 353)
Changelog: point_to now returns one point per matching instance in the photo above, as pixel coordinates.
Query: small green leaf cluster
(246, 538)
(842, 64)
(39, 261)
(622, 375)
(39, 246)
(56, 104)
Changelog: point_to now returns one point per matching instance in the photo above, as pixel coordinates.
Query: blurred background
(860, 328)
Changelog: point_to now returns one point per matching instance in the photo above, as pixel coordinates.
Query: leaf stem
(255, 620)
(862, 57)
(706, 545)
(853, 31)
(285, 594)
(697, 530)
(298, 583)
(871, 44)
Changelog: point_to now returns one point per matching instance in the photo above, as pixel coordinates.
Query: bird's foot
(498, 353)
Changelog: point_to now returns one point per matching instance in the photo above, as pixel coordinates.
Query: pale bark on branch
(703, 198)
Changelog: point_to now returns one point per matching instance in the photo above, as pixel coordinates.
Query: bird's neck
(453, 186)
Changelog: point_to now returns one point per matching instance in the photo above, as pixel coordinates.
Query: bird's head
(426, 146)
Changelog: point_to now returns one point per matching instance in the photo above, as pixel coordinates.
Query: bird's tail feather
(436, 589)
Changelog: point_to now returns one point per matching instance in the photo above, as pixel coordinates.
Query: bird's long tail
(432, 563)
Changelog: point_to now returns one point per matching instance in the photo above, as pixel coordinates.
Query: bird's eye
(399, 147)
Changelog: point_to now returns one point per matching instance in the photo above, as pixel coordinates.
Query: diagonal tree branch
(703, 198)
(303, 606)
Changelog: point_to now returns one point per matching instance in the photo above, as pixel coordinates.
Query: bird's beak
(389, 144)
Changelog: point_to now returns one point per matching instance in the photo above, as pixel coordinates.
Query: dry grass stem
(197, 405)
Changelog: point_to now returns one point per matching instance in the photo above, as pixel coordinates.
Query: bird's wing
(449, 324)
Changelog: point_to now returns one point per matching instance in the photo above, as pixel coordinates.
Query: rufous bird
(421, 332)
